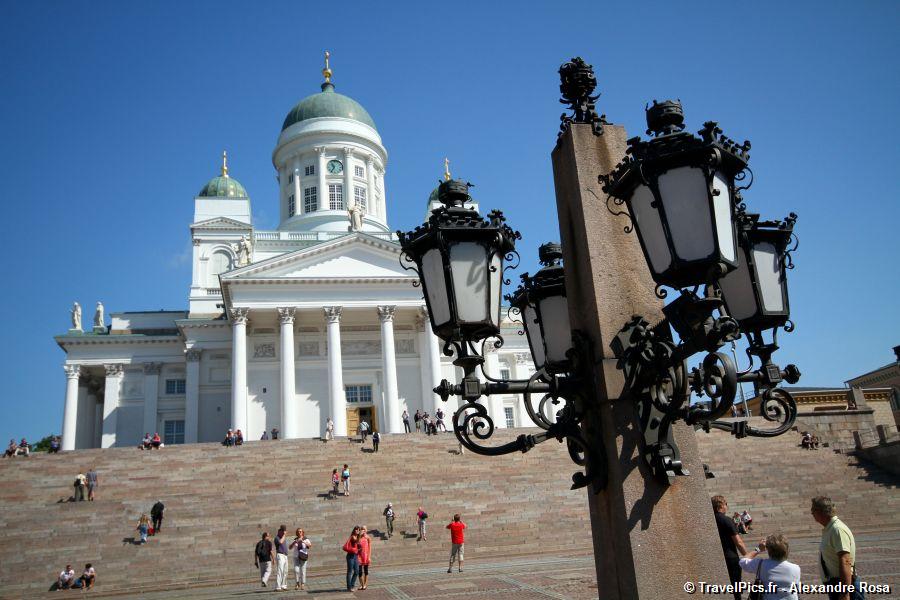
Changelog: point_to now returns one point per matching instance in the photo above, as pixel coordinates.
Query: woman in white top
(301, 546)
(775, 569)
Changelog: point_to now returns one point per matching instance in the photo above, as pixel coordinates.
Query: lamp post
(682, 193)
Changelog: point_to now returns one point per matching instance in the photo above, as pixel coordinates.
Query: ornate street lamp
(459, 257)
(541, 303)
(679, 189)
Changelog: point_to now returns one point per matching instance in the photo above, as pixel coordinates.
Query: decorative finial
(577, 85)
(224, 163)
(327, 70)
(446, 169)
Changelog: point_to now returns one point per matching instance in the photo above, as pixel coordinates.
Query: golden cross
(327, 70)
(224, 163)
(446, 169)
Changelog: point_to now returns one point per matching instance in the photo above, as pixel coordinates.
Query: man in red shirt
(457, 540)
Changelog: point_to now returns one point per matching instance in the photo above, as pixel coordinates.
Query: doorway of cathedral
(357, 414)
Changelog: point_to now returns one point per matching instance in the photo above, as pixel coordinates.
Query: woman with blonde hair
(775, 570)
(301, 545)
(144, 527)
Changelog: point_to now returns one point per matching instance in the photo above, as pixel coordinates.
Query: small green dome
(327, 103)
(433, 196)
(223, 187)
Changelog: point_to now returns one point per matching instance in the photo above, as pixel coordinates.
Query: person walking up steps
(80, 484)
(281, 559)
(335, 483)
(345, 477)
(389, 520)
(457, 541)
(301, 546)
(93, 482)
(263, 555)
(156, 513)
(421, 518)
(143, 527)
(376, 439)
(329, 429)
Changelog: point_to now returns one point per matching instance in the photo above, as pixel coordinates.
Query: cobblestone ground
(550, 577)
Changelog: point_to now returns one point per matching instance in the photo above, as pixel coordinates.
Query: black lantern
(679, 189)
(541, 302)
(459, 258)
(755, 293)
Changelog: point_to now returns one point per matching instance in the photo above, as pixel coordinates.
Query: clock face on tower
(335, 166)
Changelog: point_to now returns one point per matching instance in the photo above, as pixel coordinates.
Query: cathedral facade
(284, 328)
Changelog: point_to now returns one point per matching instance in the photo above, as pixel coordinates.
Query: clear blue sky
(113, 115)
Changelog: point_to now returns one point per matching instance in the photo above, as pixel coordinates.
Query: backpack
(424, 515)
(261, 553)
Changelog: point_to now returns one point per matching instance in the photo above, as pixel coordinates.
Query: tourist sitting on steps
(238, 438)
(146, 443)
(156, 442)
(265, 436)
(11, 449)
(87, 579)
(814, 442)
(66, 578)
(229, 439)
(24, 449)
(54, 445)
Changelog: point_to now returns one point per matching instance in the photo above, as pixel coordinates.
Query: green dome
(327, 103)
(223, 187)
(433, 196)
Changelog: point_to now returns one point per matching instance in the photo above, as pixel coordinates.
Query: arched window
(219, 262)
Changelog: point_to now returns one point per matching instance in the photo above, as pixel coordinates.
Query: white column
(192, 396)
(348, 179)
(430, 353)
(322, 192)
(495, 402)
(112, 391)
(335, 373)
(389, 365)
(290, 420)
(195, 264)
(239, 370)
(382, 208)
(70, 410)
(151, 396)
(374, 209)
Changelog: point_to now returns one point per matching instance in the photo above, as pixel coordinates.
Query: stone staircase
(218, 500)
(775, 479)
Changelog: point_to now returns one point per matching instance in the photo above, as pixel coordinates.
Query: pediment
(219, 223)
(355, 256)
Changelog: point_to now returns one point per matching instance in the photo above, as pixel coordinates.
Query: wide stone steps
(218, 500)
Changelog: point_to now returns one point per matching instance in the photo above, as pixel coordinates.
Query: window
(504, 373)
(358, 394)
(219, 262)
(335, 196)
(310, 200)
(291, 205)
(510, 416)
(291, 178)
(359, 195)
(173, 432)
(309, 170)
(359, 171)
(174, 387)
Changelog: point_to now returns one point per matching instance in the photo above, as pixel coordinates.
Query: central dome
(327, 103)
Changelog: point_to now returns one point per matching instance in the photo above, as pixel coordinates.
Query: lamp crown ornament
(577, 85)
(665, 118)
(454, 192)
(550, 254)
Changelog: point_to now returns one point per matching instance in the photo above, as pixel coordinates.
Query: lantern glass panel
(557, 333)
(737, 289)
(646, 217)
(436, 286)
(468, 261)
(496, 288)
(724, 222)
(535, 338)
(769, 276)
(685, 196)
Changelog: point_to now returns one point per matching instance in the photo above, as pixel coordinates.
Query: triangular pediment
(219, 223)
(354, 256)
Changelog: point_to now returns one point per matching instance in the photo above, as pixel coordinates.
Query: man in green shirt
(837, 550)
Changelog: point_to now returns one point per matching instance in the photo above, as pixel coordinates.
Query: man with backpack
(389, 520)
(418, 419)
(156, 514)
(263, 556)
(376, 439)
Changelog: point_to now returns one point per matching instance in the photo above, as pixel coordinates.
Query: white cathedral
(284, 328)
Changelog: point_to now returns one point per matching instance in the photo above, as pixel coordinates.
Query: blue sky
(113, 115)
